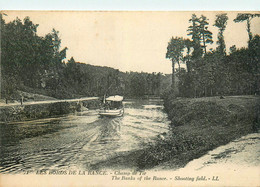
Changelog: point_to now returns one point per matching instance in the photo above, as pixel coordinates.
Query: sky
(127, 40)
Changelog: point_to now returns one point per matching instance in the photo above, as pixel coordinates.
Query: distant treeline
(37, 64)
(212, 72)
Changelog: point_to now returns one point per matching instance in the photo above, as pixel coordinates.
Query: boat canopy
(117, 98)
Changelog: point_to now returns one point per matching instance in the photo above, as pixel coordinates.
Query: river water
(79, 140)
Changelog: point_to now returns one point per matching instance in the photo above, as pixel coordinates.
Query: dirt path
(49, 101)
(241, 153)
(234, 164)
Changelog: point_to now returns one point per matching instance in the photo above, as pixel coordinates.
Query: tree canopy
(214, 72)
(38, 64)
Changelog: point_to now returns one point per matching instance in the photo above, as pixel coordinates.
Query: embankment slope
(198, 125)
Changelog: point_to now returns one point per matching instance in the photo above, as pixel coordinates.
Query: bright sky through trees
(129, 41)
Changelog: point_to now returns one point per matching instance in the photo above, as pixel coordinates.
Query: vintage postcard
(129, 98)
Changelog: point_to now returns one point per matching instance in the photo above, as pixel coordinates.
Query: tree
(254, 53)
(254, 64)
(174, 52)
(187, 57)
(246, 17)
(2, 26)
(21, 53)
(194, 32)
(221, 23)
(58, 55)
(71, 60)
(205, 34)
(255, 48)
(137, 85)
(232, 49)
(200, 34)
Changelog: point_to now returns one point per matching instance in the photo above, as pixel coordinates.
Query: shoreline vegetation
(202, 124)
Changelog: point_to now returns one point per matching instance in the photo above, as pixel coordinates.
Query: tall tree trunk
(222, 45)
(249, 30)
(204, 43)
(173, 74)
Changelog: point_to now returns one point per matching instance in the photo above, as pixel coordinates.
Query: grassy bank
(199, 125)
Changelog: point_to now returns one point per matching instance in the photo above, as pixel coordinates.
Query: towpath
(48, 101)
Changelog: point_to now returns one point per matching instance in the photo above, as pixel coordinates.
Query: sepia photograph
(123, 98)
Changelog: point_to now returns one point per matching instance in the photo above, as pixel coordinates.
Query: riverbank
(198, 125)
(14, 112)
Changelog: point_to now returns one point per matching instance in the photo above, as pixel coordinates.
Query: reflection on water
(79, 140)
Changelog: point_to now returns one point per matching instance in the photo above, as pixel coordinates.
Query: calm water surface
(79, 140)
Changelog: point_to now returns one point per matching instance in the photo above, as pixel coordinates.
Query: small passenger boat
(112, 106)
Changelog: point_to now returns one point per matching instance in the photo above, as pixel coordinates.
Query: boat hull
(111, 113)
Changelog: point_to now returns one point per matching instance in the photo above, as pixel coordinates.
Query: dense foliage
(36, 64)
(214, 72)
